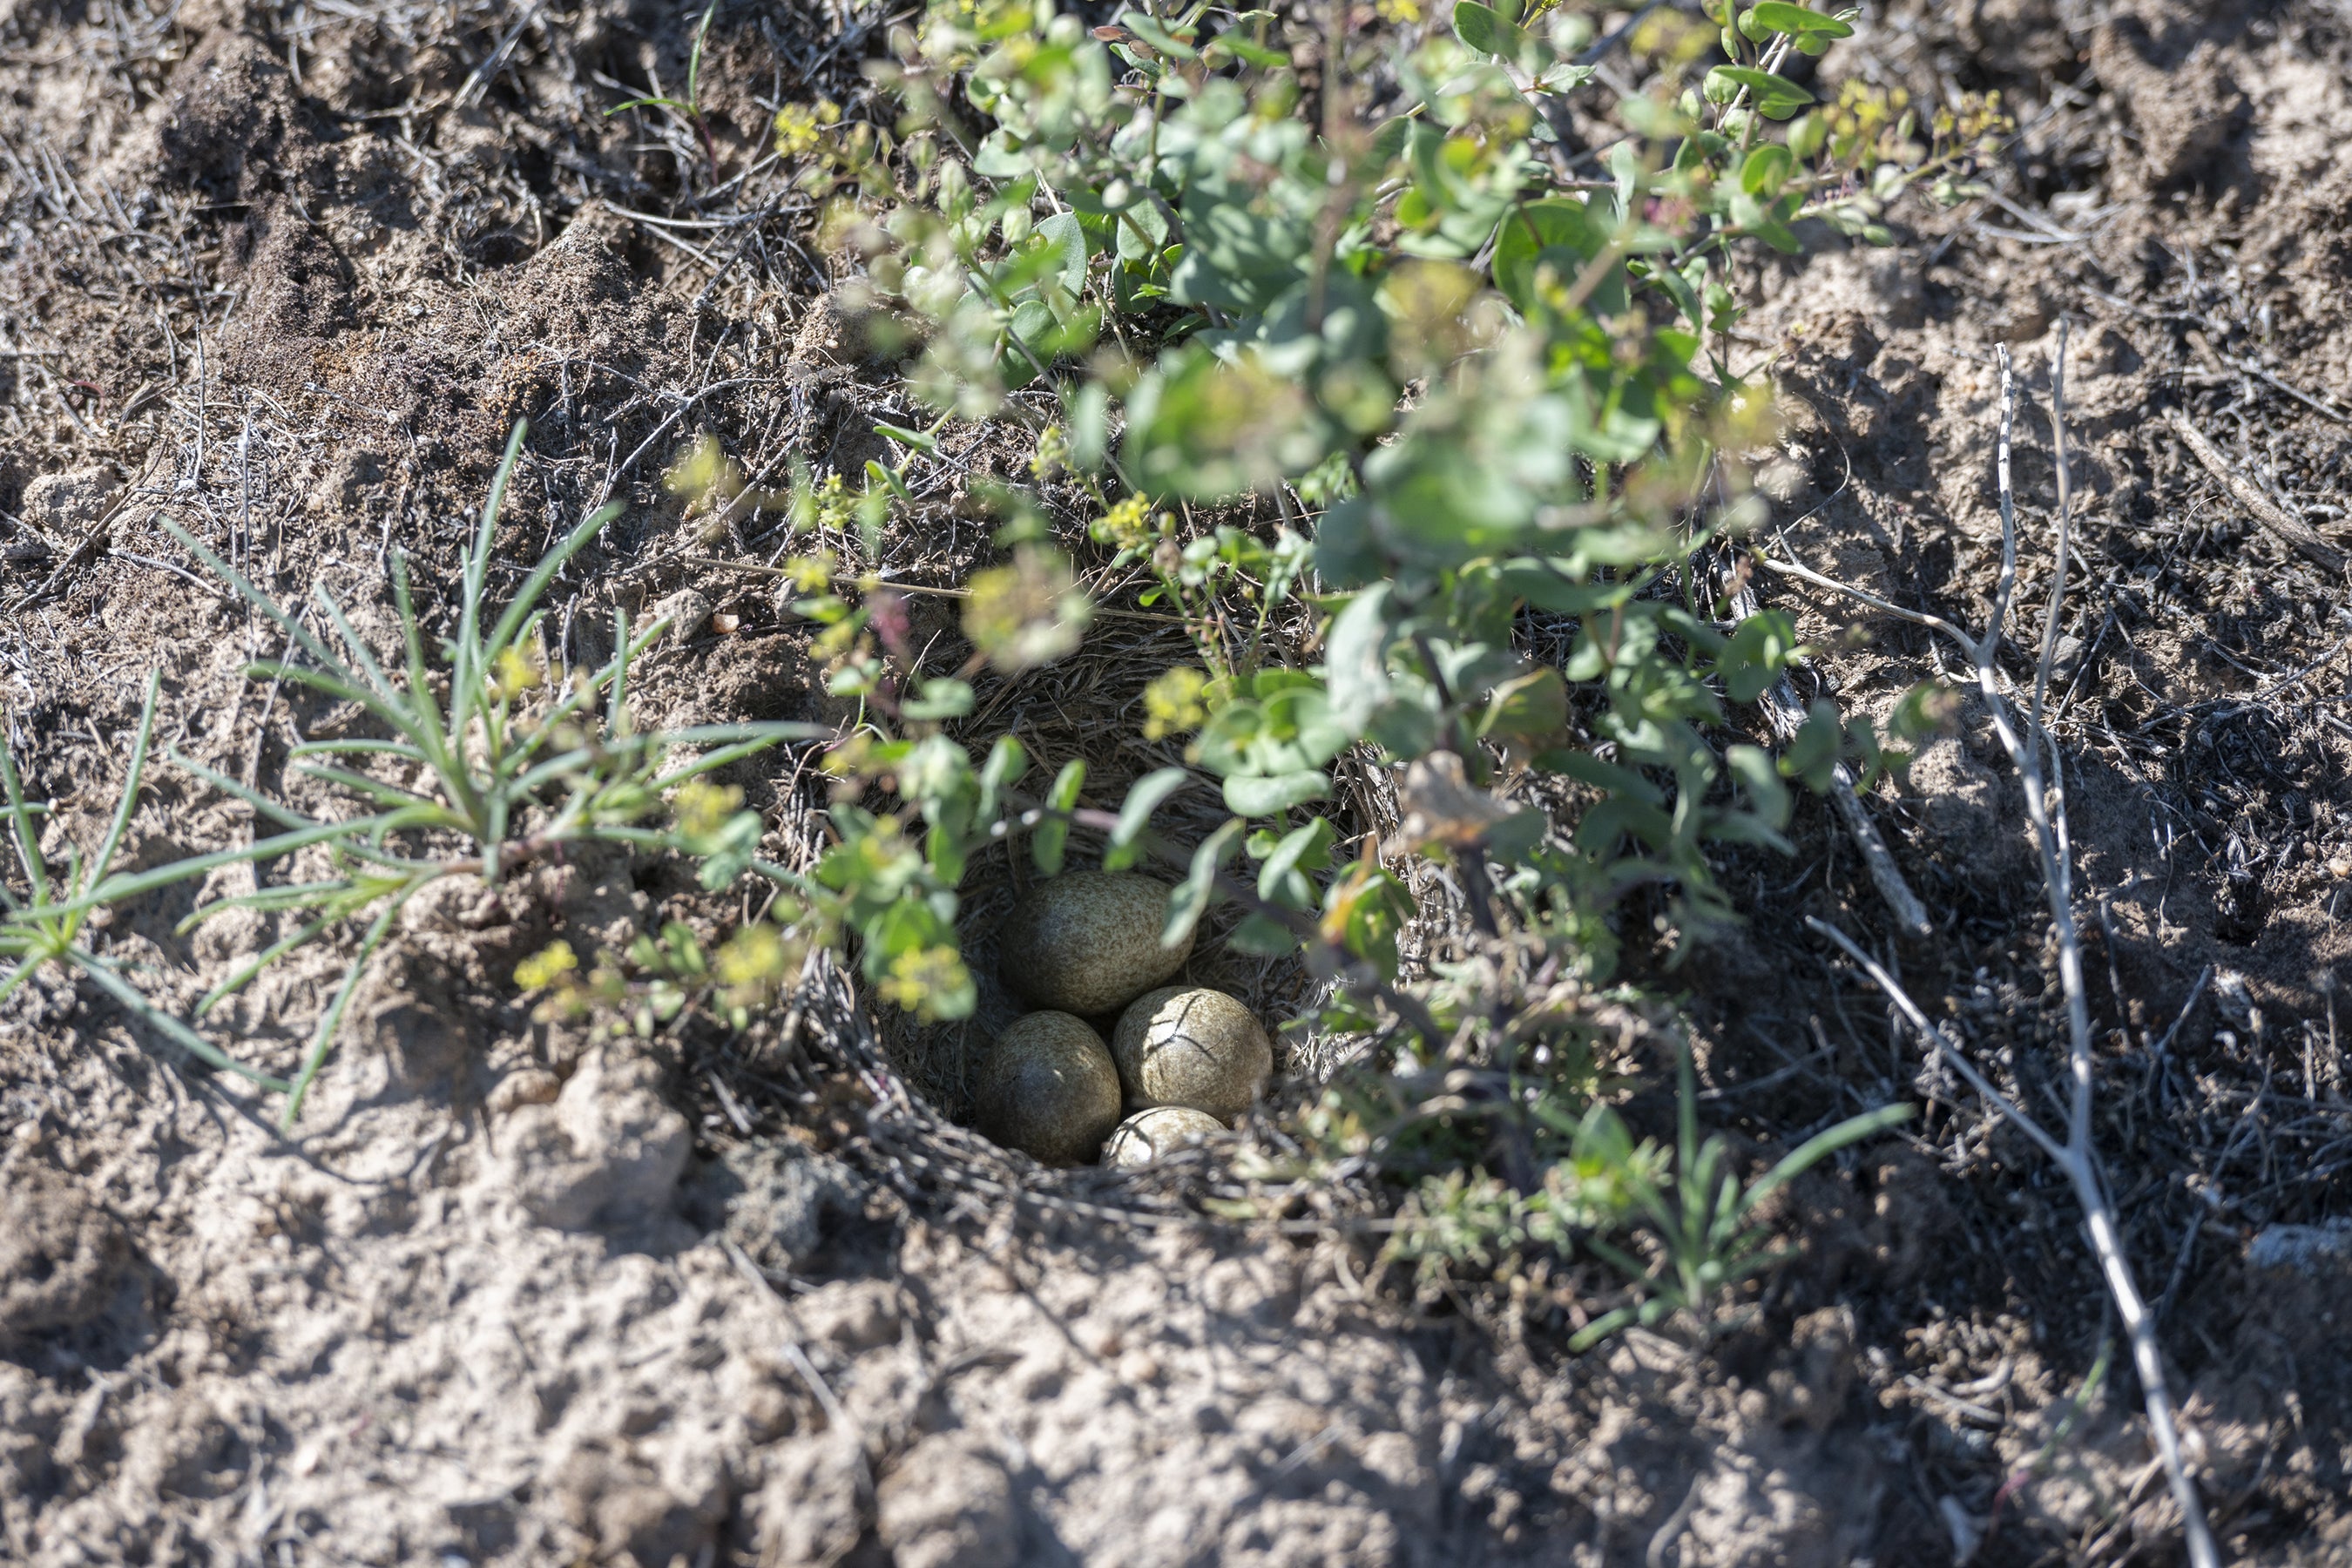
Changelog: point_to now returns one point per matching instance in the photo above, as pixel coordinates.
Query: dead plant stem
(2045, 808)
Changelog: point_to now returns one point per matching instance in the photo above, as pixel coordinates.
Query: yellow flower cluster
(1129, 525)
(703, 808)
(1028, 613)
(1172, 704)
(1863, 108)
(1052, 450)
(920, 975)
(801, 127)
(1670, 41)
(853, 761)
(545, 967)
(752, 965)
(810, 574)
(704, 475)
(1979, 116)
(520, 670)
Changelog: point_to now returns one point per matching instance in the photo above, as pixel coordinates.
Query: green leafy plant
(1227, 301)
(1381, 398)
(1700, 1218)
(51, 927)
(480, 770)
(660, 979)
(1564, 454)
(1697, 1221)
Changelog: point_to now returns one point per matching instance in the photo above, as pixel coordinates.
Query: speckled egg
(1047, 1088)
(1088, 942)
(1156, 1134)
(1186, 1045)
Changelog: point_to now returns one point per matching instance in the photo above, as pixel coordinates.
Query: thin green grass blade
(545, 573)
(769, 729)
(274, 810)
(649, 103)
(16, 977)
(268, 900)
(279, 812)
(326, 680)
(243, 975)
(1635, 1271)
(114, 889)
(550, 722)
(785, 876)
(401, 749)
(1600, 1328)
(28, 843)
(555, 767)
(724, 756)
(378, 790)
(360, 653)
(1853, 1130)
(109, 979)
(430, 736)
(466, 669)
(616, 714)
(308, 641)
(694, 63)
(122, 809)
(321, 1041)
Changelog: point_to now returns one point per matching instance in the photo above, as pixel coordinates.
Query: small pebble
(688, 611)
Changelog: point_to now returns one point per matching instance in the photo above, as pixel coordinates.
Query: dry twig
(2045, 806)
(2267, 513)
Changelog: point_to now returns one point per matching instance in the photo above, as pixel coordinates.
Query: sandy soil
(286, 273)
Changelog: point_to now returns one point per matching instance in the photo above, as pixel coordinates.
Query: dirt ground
(286, 273)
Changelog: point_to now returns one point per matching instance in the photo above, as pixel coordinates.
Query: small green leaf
(1930, 708)
(941, 700)
(1159, 37)
(1252, 794)
(905, 438)
(1798, 22)
(1767, 170)
(1282, 879)
(1262, 935)
(1752, 766)
(1807, 134)
(1143, 797)
(1482, 28)
(1190, 901)
(1006, 762)
(1531, 706)
(1757, 654)
(1813, 756)
(1064, 231)
(1053, 836)
(1776, 97)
